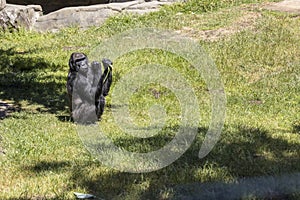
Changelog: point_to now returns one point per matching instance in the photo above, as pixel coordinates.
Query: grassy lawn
(257, 53)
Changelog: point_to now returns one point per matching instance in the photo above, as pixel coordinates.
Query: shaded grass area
(44, 158)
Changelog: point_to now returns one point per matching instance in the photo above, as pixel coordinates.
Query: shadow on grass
(247, 155)
(296, 128)
(24, 78)
(263, 187)
(65, 118)
(46, 165)
(243, 152)
(36, 198)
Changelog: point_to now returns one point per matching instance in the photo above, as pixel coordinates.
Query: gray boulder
(17, 16)
(94, 15)
(2, 4)
(32, 18)
(83, 17)
(53, 5)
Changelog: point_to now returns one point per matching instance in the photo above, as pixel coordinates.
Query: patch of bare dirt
(245, 22)
(290, 6)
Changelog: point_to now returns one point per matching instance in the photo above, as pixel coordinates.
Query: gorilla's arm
(108, 76)
(103, 87)
(94, 75)
(107, 83)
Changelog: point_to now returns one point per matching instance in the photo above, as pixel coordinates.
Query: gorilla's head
(78, 61)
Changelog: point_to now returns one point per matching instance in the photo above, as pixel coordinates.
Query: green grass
(45, 159)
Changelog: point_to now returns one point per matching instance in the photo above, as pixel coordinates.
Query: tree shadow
(296, 128)
(243, 152)
(46, 165)
(35, 197)
(65, 118)
(263, 187)
(27, 79)
(246, 152)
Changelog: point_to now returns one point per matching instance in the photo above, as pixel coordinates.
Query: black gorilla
(87, 88)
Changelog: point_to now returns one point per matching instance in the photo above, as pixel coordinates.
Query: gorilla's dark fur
(87, 88)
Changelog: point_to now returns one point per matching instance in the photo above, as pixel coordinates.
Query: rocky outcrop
(2, 4)
(53, 5)
(86, 16)
(16, 16)
(73, 16)
(31, 17)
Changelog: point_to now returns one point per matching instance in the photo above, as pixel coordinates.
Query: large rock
(31, 17)
(2, 4)
(16, 16)
(83, 17)
(95, 15)
(52, 5)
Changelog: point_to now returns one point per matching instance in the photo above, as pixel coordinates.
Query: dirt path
(291, 6)
(247, 21)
